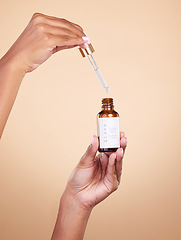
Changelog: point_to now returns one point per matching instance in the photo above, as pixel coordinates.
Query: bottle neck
(107, 104)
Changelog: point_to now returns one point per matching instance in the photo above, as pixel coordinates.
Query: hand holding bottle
(96, 177)
(93, 180)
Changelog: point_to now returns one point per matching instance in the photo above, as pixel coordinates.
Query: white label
(108, 131)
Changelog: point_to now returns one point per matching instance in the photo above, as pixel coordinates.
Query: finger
(119, 157)
(122, 134)
(76, 44)
(68, 25)
(79, 27)
(57, 26)
(123, 143)
(111, 165)
(88, 158)
(110, 179)
(63, 47)
(55, 30)
(61, 22)
(83, 46)
(58, 48)
(72, 27)
(39, 19)
(104, 159)
(56, 43)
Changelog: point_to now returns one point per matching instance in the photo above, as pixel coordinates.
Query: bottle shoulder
(107, 114)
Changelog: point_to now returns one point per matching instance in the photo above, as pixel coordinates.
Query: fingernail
(126, 141)
(122, 152)
(87, 39)
(92, 142)
(86, 45)
(122, 134)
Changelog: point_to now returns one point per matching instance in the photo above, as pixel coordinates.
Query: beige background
(138, 50)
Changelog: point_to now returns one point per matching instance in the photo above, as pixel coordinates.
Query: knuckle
(82, 159)
(63, 20)
(49, 40)
(66, 39)
(37, 17)
(46, 38)
(115, 187)
(80, 28)
(40, 27)
(35, 14)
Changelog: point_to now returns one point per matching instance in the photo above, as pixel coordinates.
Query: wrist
(70, 201)
(70, 216)
(13, 66)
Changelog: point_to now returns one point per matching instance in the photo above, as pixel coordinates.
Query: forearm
(43, 36)
(11, 76)
(71, 221)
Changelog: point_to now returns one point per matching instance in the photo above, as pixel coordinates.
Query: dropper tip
(107, 89)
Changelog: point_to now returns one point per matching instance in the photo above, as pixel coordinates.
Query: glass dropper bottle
(108, 127)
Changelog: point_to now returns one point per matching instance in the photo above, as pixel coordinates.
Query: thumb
(89, 156)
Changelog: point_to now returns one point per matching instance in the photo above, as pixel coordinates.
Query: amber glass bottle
(108, 127)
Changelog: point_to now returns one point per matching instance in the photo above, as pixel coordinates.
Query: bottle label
(108, 132)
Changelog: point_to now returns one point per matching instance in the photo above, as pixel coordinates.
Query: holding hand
(96, 177)
(93, 179)
(44, 36)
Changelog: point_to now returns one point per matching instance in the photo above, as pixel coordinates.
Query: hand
(44, 36)
(96, 177)
(93, 179)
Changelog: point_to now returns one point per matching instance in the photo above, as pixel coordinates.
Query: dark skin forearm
(71, 220)
(11, 77)
(95, 177)
(43, 36)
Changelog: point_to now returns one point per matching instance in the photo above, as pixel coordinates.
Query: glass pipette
(88, 53)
